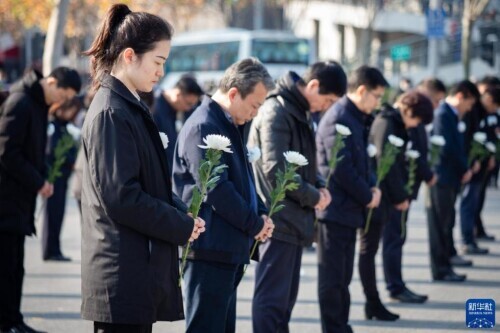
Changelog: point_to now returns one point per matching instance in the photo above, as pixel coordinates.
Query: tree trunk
(53, 48)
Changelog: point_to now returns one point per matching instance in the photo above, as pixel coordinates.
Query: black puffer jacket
(283, 124)
(23, 135)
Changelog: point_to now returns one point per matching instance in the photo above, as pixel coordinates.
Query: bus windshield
(281, 52)
(202, 57)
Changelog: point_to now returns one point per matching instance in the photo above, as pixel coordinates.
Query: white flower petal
(491, 147)
(344, 130)
(164, 140)
(480, 137)
(217, 142)
(74, 131)
(394, 140)
(462, 127)
(413, 154)
(372, 150)
(254, 154)
(50, 129)
(296, 158)
(438, 140)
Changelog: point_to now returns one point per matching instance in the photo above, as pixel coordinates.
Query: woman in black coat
(131, 228)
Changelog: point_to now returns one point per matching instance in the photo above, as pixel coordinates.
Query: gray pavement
(51, 297)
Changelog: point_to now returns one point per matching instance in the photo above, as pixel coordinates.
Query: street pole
(433, 50)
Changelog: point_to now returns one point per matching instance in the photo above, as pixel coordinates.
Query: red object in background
(10, 53)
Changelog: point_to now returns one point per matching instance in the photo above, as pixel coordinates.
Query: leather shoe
(459, 261)
(452, 277)
(474, 249)
(485, 237)
(408, 296)
(57, 257)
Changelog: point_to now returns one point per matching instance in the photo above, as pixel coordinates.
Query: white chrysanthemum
(395, 141)
(480, 137)
(296, 158)
(217, 142)
(344, 130)
(254, 154)
(438, 140)
(74, 131)
(372, 150)
(50, 129)
(491, 147)
(164, 140)
(462, 127)
(413, 154)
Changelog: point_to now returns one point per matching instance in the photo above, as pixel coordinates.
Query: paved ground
(51, 298)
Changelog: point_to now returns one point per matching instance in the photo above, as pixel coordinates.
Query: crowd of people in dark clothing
(134, 189)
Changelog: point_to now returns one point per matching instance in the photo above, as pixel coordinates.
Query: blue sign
(435, 23)
(480, 313)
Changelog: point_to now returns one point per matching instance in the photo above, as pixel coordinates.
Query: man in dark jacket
(452, 171)
(23, 135)
(284, 124)
(352, 190)
(234, 214)
(182, 98)
(473, 192)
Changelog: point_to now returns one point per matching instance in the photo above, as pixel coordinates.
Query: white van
(207, 54)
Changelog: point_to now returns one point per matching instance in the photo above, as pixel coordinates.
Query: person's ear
(233, 93)
(128, 55)
(313, 86)
(361, 90)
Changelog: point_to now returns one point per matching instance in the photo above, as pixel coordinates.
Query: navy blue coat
(231, 219)
(165, 117)
(452, 162)
(352, 179)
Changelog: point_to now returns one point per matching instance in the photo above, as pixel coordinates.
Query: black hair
(419, 105)
(467, 88)
(366, 76)
(433, 85)
(490, 80)
(188, 86)
(67, 78)
(494, 92)
(332, 78)
(124, 29)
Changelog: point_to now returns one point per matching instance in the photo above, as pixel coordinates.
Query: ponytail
(123, 29)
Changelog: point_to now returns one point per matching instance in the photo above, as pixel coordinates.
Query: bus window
(281, 52)
(202, 57)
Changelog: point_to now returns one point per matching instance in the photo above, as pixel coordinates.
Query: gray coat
(130, 229)
(283, 124)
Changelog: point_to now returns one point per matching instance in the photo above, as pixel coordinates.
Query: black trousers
(54, 217)
(11, 279)
(478, 223)
(392, 252)
(277, 277)
(336, 245)
(368, 247)
(121, 328)
(440, 208)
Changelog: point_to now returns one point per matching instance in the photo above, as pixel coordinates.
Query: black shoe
(474, 249)
(408, 296)
(451, 277)
(377, 310)
(459, 261)
(57, 257)
(485, 237)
